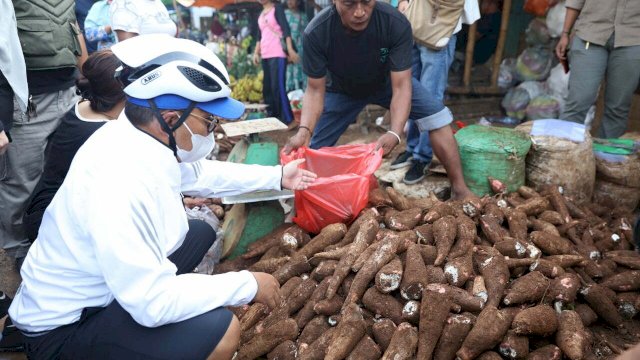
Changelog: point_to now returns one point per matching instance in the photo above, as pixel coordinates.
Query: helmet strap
(168, 129)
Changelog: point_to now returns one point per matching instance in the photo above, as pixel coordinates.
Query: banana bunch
(248, 89)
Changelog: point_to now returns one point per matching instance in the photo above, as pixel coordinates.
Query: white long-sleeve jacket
(111, 226)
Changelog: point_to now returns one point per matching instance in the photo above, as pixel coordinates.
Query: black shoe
(415, 172)
(5, 302)
(12, 339)
(404, 159)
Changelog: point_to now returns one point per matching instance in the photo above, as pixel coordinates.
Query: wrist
(306, 130)
(566, 33)
(395, 134)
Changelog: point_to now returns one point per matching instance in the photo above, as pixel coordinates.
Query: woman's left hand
(293, 57)
(294, 178)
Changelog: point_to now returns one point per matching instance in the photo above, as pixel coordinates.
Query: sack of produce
(543, 107)
(537, 33)
(507, 74)
(618, 165)
(534, 64)
(558, 84)
(515, 102)
(487, 151)
(561, 153)
(613, 195)
(341, 191)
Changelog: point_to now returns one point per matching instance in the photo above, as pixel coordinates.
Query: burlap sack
(619, 169)
(554, 160)
(613, 195)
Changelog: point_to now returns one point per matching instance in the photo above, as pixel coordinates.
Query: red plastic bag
(345, 176)
(539, 7)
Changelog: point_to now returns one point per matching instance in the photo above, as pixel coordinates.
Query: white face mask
(201, 146)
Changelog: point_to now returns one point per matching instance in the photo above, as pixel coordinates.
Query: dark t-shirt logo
(384, 54)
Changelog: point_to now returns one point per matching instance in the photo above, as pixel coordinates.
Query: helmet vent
(199, 79)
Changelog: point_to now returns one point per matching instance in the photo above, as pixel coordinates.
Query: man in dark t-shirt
(358, 52)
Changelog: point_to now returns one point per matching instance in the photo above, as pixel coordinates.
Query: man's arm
(569, 19)
(312, 105)
(398, 110)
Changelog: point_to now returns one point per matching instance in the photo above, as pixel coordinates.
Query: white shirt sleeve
(211, 178)
(470, 14)
(129, 248)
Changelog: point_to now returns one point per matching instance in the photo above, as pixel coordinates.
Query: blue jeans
(431, 68)
(340, 110)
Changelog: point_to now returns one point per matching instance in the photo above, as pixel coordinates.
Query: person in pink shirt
(271, 48)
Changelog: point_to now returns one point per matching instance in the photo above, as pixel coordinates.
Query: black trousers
(274, 89)
(111, 333)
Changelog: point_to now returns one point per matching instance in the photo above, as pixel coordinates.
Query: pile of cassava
(522, 277)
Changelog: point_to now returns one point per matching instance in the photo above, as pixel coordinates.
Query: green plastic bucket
(487, 151)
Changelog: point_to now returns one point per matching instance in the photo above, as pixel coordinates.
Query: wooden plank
(468, 59)
(247, 127)
(233, 226)
(497, 57)
(478, 90)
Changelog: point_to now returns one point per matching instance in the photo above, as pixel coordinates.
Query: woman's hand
(294, 178)
(4, 142)
(256, 59)
(403, 5)
(294, 58)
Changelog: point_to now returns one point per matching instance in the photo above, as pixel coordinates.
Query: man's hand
(256, 59)
(387, 142)
(4, 142)
(301, 138)
(268, 290)
(294, 178)
(561, 48)
(192, 202)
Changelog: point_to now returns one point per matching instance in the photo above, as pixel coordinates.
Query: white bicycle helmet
(173, 73)
(164, 73)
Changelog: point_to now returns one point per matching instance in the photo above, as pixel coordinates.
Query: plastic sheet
(345, 176)
(555, 19)
(558, 84)
(213, 255)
